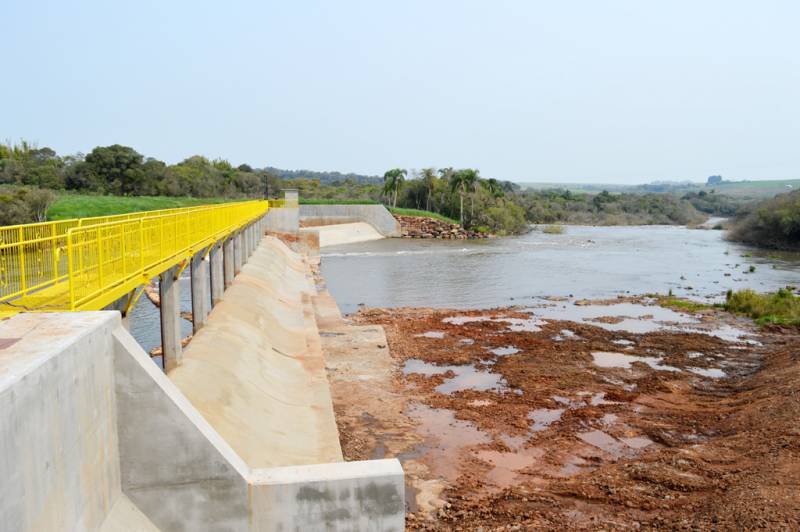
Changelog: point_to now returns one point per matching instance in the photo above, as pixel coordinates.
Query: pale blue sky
(590, 91)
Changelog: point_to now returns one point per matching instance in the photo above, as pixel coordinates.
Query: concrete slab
(125, 516)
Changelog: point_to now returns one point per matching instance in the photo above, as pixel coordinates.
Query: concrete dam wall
(375, 215)
(240, 435)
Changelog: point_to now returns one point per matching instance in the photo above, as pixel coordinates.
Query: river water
(583, 262)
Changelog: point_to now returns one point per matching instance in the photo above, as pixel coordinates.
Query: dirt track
(507, 422)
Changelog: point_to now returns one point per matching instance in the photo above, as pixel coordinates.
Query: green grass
(83, 205)
(686, 305)
(425, 214)
(781, 307)
(326, 201)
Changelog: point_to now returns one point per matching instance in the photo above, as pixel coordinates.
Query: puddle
(695, 354)
(467, 377)
(544, 417)
(515, 324)
(445, 437)
(622, 341)
(504, 351)
(637, 442)
(600, 399)
(506, 466)
(466, 341)
(608, 359)
(714, 373)
(638, 318)
(604, 442)
(431, 334)
(461, 320)
(574, 465)
(480, 402)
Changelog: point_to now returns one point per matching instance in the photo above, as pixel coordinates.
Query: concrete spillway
(256, 370)
(239, 436)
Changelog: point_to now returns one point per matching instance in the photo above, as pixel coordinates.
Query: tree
(119, 167)
(392, 181)
(428, 177)
(463, 181)
(493, 187)
(714, 180)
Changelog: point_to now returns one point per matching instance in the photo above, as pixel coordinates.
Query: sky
(529, 91)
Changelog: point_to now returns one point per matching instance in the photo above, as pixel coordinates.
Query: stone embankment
(423, 227)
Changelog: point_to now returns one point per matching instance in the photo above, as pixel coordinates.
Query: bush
(22, 205)
(773, 223)
(780, 307)
(553, 229)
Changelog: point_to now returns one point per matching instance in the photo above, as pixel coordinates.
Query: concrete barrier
(375, 215)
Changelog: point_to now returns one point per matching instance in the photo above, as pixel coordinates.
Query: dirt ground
(507, 422)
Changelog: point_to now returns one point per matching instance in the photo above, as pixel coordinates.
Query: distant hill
(739, 189)
(324, 177)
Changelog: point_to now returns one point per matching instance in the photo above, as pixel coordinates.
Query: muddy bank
(620, 415)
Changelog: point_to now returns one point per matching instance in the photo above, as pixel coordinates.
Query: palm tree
(493, 187)
(463, 181)
(428, 176)
(392, 181)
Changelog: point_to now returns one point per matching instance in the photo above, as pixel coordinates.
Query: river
(584, 262)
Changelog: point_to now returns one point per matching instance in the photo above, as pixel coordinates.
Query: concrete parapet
(366, 495)
(375, 215)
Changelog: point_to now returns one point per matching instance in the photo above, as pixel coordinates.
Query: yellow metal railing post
(54, 250)
(70, 271)
(22, 280)
(141, 247)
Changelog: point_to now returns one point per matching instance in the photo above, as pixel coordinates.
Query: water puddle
(695, 354)
(445, 437)
(637, 442)
(466, 377)
(622, 341)
(544, 417)
(506, 465)
(514, 324)
(604, 442)
(608, 359)
(504, 351)
(431, 334)
(462, 320)
(714, 373)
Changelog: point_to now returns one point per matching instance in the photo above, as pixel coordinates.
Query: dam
(236, 431)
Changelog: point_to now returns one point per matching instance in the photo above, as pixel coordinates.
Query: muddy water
(588, 262)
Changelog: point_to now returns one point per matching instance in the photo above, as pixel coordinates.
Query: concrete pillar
(200, 287)
(238, 250)
(217, 274)
(228, 261)
(169, 291)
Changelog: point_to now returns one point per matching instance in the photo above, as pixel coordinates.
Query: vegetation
(24, 204)
(83, 205)
(118, 179)
(781, 307)
(685, 305)
(553, 229)
(772, 223)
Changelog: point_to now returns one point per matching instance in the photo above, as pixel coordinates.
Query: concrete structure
(96, 437)
(238, 435)
(375, 215)
(170, 297)
(201, 284)
(331, 235)
(217, 273)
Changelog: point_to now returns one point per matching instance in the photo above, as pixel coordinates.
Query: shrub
(779, 307)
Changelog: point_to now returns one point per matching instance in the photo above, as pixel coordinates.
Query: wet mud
(580, 415)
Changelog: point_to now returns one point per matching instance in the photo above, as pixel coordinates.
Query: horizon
(529, 93)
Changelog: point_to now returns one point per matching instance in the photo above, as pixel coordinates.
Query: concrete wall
(332, 235)
(59, 458)
(375, 215)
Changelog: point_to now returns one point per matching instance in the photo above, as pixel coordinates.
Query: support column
(238, 250)
(169, 292)
(228, 261)
(200, 287)
(217, 274)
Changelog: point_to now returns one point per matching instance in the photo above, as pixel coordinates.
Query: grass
(83, 205)
(553, 229)
(327, 201)
(686, 305)
(424, 214)
(781, 307)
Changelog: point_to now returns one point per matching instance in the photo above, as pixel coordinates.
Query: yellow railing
(85, 264)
